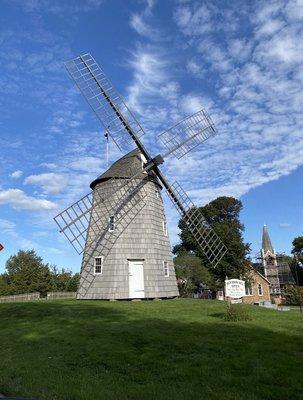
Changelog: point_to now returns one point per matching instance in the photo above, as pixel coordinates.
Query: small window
(166, 268)
(98, 265)
(260, 290)
(157, 193)
(165, 228)
(248, 289)
(112, 223)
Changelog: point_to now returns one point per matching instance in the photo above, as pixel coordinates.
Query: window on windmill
(260, 290)
(166, 268)
(111, 223)
(98, 265)
(165, 228)
(157, 193)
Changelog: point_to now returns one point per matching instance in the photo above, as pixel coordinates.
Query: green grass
(174, 349)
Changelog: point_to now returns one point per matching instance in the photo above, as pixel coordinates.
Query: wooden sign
(234, 288)
(1, 247)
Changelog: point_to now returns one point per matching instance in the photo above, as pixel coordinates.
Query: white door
(136, 279)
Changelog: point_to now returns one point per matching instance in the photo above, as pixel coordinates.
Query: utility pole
(298, 264)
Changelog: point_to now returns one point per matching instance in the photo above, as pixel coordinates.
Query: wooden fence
(36, 296)
(20, 297)
(60, 295)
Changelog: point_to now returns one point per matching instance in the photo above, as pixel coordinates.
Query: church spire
(266, 242)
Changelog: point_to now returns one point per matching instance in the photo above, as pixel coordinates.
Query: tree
(223, 215)
(64, 280)
(297, 245)
(297, 250)
(27, 273)
(4, 287)
(190, 273)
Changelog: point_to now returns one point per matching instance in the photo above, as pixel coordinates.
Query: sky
(239, 60)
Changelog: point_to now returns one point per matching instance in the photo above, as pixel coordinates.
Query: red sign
(1, 247)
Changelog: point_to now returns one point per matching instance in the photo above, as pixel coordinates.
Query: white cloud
(193, 22)
(195, 68)
(270, 27)
(138, 21)
(20, 201)
(284, 225)
(191, 103)
(49, 165)
(87, 164)
(141, 27)
(51, 183)
(16, 174)
(8, 227)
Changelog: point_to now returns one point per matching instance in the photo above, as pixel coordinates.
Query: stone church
(274, 268)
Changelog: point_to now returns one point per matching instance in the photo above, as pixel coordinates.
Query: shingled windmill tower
(134, 255)
(270, 264)
(120, 226)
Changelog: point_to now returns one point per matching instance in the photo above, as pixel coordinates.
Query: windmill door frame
(136, 279)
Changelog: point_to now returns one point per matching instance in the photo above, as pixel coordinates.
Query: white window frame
(260, 292)
(95, 265)
(111, 224)
(166, 268)
(165, 227)
(248, 289)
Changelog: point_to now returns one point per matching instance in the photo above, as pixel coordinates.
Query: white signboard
(234, 288)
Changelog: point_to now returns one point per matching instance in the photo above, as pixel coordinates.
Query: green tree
(73, 283)
(223, 215)
(27, 273)
(190, 273)
(4, 287)
(297, 246)
(64, 280)
(297, 250)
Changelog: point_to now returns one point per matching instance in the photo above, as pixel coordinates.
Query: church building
(274, 268)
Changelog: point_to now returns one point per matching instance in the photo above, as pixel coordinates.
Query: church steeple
(266, 242)
(270, 265)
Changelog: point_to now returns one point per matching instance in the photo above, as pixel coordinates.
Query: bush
(236, 314)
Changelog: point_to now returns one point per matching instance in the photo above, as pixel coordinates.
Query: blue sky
(241, 61)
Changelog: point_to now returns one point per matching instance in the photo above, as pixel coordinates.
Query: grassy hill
(173, 349)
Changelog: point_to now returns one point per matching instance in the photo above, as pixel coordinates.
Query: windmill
(120, 226)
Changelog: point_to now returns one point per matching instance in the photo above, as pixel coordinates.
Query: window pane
(112, 223)
(166, 268)
(98, 265)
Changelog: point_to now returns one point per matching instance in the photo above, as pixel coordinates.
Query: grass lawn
(173, 349)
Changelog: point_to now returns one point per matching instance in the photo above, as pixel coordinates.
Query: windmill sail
(74, 221)
(107, 104)
(209, 242)
(187, 134)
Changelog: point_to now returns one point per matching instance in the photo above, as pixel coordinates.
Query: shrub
(236, 314)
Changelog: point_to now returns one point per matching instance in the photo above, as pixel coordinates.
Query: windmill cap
(122, 167)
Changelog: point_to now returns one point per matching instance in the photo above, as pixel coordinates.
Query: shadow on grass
(89, 350)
